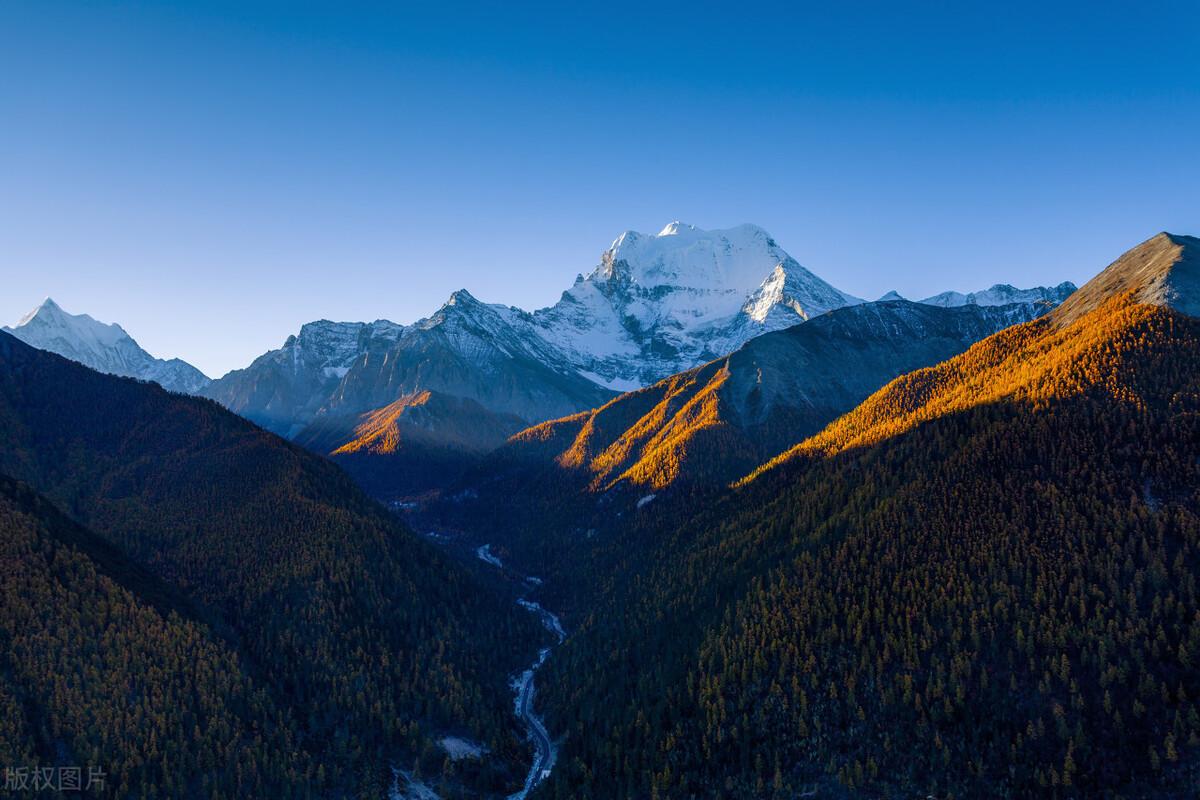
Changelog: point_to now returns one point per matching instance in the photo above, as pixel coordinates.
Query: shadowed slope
(368, 637)
(100, 657)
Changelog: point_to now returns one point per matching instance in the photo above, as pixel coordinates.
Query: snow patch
(616, 384)
(644, 500)
(458, 748)
(485, 554)
(406, 787)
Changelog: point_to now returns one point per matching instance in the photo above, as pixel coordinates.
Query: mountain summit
(660, 304)
(106, 348)
(1164, 270)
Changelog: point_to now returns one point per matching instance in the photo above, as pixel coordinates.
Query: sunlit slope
(1089, 344)
(714, 423)
(981, 582)
(421, 441)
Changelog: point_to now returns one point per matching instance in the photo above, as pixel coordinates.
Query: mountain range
(654, 306)
(896, 549)
(455, 385)
(980, 580)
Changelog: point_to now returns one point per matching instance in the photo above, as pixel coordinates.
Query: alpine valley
(707, 527)
(407, 409)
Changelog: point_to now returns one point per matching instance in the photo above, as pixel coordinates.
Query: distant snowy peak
(463, 308)
(660, 304)
(284, 388)
(477, 331)
(103, 347)
(48, 322)
(1003, 294)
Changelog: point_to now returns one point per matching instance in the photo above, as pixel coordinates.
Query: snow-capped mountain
(283, 389)
(716, 422)
(660, 304)
(467, 349)
(105, 348)
(1003, 294)
(654, 306)
(476, 350)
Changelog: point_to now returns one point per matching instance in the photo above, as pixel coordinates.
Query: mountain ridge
(104, 347)
(740, 410)
(656, 305)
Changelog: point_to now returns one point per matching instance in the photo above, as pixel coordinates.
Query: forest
(982, 582)
(324, 640)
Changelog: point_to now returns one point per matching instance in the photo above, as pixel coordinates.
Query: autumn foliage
(981, 582)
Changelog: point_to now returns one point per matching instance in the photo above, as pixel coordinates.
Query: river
(523, 687)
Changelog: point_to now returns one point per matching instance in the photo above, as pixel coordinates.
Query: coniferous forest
(981, 582)
(225, 614)
(599, 401)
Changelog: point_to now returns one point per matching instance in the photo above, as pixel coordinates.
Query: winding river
(523, 687)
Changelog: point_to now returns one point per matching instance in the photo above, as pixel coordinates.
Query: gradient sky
(212, 175)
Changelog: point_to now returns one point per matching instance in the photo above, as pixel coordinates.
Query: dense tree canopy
(981, 582)
(364, 642)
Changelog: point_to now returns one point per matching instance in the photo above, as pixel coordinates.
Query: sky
(213, 175)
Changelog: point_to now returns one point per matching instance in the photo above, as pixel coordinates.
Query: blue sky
(212, 175)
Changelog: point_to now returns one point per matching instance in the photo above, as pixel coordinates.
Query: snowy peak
(674, 228)
(463, 309)
(1003, 294)
(103, 347)
(49, 320)
(462, 298)
(797, 294)
(661, 304)
(680, 256)
(48, 310)
(283, 389)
